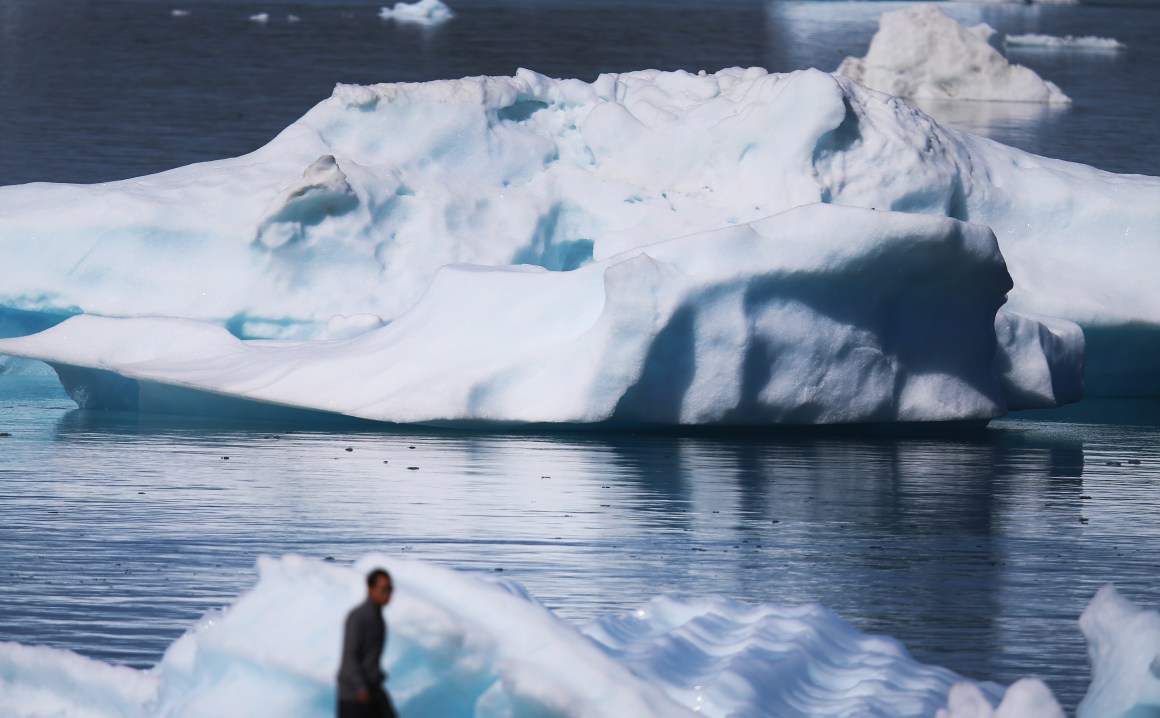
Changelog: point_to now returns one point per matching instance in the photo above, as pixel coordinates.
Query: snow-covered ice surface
(353, 210)
(1067, 42)
(921, 52)
(423, 12)
(783, 320)
(466, 646)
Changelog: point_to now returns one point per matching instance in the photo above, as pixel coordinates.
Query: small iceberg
(467, 645)
(1067, 42)
(179, 13)
(261, 18)
(424, 12)
(921, 53)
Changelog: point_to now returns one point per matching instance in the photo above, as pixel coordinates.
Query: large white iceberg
(819, 315)
(922, 53)
(353, 209)
(466, 646)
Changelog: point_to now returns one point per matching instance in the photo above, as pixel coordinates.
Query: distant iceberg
(424, 12)
(355, 209)
(922, 53)
(1067, 42)
(466, 646)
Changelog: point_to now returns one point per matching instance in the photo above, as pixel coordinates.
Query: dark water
(979, 552)
(93, 90)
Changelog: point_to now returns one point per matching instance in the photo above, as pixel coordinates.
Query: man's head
(379, 587)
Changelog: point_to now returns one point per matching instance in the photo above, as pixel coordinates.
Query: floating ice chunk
(1067, 42)
(559, 174)
(293, 18)
(1124, 650)
(179, 13)
(920, 52)
(261, 18)
(819, 315)
(465, 646)
(424, 12)
(40, 682)
(1025, 698)
(459, 646)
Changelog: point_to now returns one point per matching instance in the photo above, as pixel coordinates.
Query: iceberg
(920, 52)
(466, 645)
(1067, 42)
(780, 321)
(355, 209)
(424, 12)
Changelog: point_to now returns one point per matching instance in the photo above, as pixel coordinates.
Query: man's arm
(353, 639)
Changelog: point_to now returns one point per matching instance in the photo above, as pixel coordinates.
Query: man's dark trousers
(379, 707)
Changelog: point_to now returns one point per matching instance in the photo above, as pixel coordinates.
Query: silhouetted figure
(360, 678)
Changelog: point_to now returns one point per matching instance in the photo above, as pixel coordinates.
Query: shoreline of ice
(463, 645)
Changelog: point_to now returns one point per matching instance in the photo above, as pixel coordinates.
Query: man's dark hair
(373, 577)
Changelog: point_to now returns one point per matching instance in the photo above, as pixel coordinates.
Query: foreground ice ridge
(922, 53)
(352, 210)
(818, 315)
(462, 645)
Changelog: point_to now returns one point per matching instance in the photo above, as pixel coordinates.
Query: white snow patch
(1124, 651)
(920, 52)
(1025, 698)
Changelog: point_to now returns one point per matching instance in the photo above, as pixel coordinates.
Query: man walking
(360, 677)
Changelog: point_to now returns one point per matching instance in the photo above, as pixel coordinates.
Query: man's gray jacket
(362, 651)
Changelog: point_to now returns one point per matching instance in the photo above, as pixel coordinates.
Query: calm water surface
(979, 552)
(94, 90)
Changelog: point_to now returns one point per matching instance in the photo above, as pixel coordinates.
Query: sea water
(977, 550)
(107, 89)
